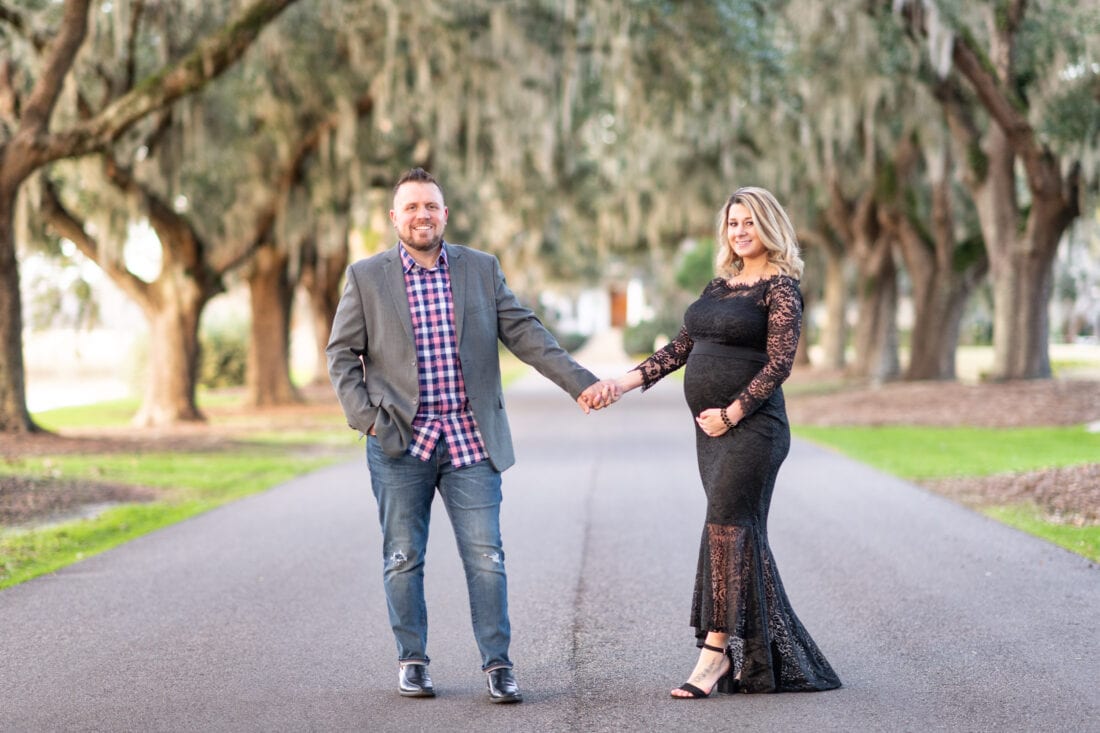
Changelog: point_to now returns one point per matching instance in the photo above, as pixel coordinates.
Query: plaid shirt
(444, 410)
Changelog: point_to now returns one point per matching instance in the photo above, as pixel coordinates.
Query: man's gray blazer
(373, 322)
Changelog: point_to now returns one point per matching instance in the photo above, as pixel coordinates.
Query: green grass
(207, 474)
(1084, 541)
(926, 453)
(187, 482)
(511, 368)
(115, 413)
(190, 483)
(1062, 367)
(921, 453)
(28, 554)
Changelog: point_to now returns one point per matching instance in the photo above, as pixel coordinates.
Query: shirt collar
(408, 263)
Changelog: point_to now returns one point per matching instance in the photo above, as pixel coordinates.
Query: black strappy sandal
(722, 684)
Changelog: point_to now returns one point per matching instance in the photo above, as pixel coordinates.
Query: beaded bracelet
(725, 418)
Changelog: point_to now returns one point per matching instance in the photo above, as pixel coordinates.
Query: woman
(738, 344)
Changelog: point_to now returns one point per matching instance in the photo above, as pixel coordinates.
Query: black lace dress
(738, 343)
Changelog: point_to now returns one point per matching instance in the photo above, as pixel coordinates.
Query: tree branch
(1006, 109)
(130, 61)
(212, 57)
(839, 211)
(67, 225)
(59, 59)
(9, 98)
(1014, 15)
(19, 23)
(290, 175)
(161, 127)
(182, 244)
(961, 123)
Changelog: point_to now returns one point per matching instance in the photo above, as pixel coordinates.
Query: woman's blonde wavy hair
(773, 226)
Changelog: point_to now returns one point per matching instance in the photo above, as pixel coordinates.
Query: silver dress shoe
(414, 681)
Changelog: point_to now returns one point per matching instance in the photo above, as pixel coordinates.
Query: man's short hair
(416, 175)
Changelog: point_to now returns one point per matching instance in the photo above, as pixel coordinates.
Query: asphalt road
(268, 614)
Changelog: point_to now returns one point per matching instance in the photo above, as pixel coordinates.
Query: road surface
(268, 614)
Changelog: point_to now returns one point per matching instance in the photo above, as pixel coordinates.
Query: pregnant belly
(713, 381)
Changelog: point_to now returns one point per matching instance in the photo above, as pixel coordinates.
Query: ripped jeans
(404, 488)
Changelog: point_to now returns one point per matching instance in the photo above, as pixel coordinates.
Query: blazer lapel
(457, 265)
(394, 283)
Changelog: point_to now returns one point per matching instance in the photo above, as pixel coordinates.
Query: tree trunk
(876, 332)
(876, 335)
(173, 314)
(938, 311)
(1021, 246)
(172, 303)
(1021, 326)
(269, 348)
(1021, 264)
(828, 238)
(14, 417)
(321, 278)
(802, 351)
(834, 337)
(943, 271)
(20, 154)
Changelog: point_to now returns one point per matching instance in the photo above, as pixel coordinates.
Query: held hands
(602, 394)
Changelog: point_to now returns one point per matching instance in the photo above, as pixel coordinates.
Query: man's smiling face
(419, 215)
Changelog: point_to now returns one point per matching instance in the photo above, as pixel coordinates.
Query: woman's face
(741, 233)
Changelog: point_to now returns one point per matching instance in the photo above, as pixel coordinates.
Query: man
(413, 358)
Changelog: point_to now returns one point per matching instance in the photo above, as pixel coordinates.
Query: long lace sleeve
(668, 359)
(784, 303)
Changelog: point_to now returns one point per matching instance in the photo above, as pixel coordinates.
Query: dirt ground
(1042, 402)
(1066, 494)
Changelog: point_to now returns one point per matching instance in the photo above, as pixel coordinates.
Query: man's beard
(410, 240)
(425, 246)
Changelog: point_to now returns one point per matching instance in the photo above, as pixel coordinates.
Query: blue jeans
(404, 488)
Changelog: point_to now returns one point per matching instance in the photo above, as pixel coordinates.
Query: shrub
(640, 339)
(223, 355)
(696, 267)
(571, 342)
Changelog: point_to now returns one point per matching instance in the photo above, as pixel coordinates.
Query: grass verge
(184, 481)
(188, 484)
(925, 453)
(1084, 541)
(921, 453)
(114, 413)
